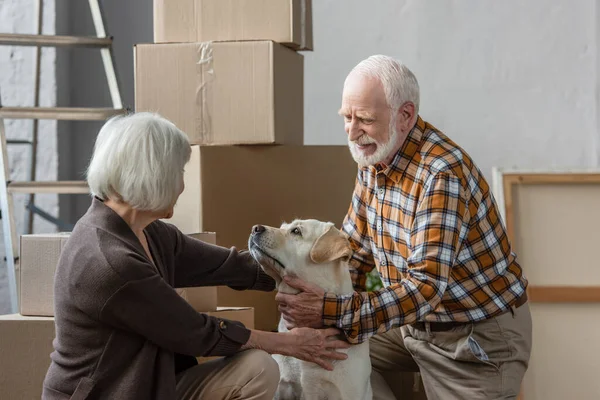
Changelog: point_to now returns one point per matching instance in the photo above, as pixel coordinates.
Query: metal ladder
(7, 187)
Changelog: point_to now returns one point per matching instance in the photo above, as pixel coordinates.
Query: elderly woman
(122, 332)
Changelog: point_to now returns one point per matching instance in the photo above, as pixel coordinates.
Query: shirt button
(383, 262)
(222, 324)
(381, 191)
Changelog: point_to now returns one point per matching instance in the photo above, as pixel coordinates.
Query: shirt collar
(396, 169)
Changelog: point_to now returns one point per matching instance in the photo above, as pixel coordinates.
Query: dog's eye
(296, 231)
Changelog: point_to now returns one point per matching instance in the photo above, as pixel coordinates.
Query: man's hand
(304, 309)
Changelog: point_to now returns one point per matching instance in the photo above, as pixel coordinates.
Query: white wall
(16, 89)
(513, 82)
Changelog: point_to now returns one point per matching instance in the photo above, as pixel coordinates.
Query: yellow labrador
(316, 252)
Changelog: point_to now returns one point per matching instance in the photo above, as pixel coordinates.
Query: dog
(316, 252)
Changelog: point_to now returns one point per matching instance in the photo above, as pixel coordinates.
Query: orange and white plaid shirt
(430, 225)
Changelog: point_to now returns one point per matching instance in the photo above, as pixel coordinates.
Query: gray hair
(139, 159)
(399, 83)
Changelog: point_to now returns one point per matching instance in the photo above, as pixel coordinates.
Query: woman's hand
(316, 345)
(313, 345)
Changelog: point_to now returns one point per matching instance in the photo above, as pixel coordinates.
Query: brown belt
(446, 326)
(521, 300)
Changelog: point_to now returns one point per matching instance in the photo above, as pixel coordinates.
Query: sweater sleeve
(151, 308)
(203, 264)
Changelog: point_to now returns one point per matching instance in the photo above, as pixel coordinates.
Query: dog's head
(309, 249)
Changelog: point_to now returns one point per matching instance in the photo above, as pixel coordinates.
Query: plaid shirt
(430, 225)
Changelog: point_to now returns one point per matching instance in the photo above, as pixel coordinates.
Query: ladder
(7, 187)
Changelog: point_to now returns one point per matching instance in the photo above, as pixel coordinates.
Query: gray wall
(129, 22)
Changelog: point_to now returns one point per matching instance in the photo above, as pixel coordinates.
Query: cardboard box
(36, 269)
(245, 315)
(229, 189)
(224, 92)
(284, 21)
(25, 347)
(208, 237)
(202, 299)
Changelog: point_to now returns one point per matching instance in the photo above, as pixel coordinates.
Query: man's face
(368, 120)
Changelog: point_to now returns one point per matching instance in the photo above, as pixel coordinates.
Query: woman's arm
(202, 264)
(313, 345)
(148, 306)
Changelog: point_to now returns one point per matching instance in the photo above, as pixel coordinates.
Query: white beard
(382, 151)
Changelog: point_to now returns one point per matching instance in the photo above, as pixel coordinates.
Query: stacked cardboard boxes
(26, 338)
(229, 74)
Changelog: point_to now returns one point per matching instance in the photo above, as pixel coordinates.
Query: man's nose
(353, 130)
(256, 229)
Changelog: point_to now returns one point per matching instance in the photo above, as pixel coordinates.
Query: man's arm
(355, 225)
(203, 264)
(435, 238)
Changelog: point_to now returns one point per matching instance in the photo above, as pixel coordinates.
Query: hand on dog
(317, 346)
(304, 309)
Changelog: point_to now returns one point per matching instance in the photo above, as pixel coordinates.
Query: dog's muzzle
(255, 246)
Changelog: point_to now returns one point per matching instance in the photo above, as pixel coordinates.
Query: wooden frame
(504, 183)
(503, 186)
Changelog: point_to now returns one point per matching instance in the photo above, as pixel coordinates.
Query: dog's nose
(256, 229)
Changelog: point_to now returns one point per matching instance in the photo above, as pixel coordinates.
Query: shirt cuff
(339, 311)
(233, 336)
(332, 309)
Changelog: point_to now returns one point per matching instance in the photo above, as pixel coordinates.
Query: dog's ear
(331, 245)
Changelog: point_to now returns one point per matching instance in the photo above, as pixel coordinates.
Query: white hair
(139, 159)
(399, 83)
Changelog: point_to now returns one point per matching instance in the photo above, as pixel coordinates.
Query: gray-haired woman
(122, 332)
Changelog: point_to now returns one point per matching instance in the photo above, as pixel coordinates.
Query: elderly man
(454, 303)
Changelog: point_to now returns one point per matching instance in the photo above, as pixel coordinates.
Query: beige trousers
(484, 360)
(248, 375)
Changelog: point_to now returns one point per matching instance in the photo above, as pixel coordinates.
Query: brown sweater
(120, 323)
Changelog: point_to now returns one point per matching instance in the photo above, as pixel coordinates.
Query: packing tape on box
(206, 75)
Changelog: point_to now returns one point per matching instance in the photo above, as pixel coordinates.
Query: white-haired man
(454, 303)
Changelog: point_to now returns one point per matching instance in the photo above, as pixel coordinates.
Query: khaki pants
(483, 360)
(248, 375)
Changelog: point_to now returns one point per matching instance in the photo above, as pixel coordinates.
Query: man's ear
(405, 117)
(330, 246)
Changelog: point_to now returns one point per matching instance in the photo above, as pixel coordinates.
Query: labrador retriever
(316, 252)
